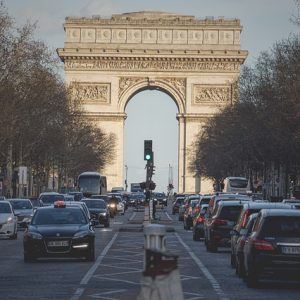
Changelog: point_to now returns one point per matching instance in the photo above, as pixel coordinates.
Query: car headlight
(102, 214)
(112, 205)
(80, 234)
(34, 235)
(9, 220)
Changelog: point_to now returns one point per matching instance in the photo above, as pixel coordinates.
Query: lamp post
(126, 170)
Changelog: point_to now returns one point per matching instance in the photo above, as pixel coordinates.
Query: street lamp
(126, 170)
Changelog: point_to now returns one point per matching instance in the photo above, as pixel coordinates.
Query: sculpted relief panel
(205, 94)
(152, 64)
(97, 93)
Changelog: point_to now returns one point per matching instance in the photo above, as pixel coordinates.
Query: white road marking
(216, 286)
(92, 270)
(169, 217)
(102, 295)
(132, 216)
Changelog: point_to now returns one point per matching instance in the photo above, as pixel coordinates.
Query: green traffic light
(148, 156)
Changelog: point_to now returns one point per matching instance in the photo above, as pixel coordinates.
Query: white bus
(236, 185)
(92, 183)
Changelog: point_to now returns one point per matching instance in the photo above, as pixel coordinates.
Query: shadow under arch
(175, 91)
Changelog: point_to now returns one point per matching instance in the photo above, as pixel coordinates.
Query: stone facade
(196, 62)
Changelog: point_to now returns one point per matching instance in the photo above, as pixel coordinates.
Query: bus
(92, 183)
(236, 185)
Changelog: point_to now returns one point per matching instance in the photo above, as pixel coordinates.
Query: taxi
(59, 231)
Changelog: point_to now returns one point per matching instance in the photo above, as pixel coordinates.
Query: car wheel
(211, 247)
(106, 224)
(28, 258)
(195, 237)
(14, 236)
(232, 260)
(251, 279)
(91, 254)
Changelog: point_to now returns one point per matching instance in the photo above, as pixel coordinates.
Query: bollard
(161, 278)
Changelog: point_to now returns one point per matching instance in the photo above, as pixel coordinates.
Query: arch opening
(146, 110)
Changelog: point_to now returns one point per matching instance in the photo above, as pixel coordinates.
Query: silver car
(23, 209)
(8, 220)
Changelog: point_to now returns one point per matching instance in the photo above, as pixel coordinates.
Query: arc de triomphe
(196, 62)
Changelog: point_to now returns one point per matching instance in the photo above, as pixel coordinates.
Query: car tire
(106, 224)
(211, 247)
(28, 258)
(251, 279)
(91, 254)
(14, 236)
(232, 260)
(195, 237)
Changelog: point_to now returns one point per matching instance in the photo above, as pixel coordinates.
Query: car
(248, 209)
(77, 195)
(48, 198)
(240, 243)
(189, 214)
(80, 204)
(181, 211)
(8, 220)
(218, 225)
(178, 202)
(198, 223)
(69, 197)
(59, 231)
(24, 210)
(294, 202)
(160, 199)
(120, 206)
(273, 248)
(98, 210)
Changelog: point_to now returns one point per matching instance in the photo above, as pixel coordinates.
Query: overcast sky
(264, 22)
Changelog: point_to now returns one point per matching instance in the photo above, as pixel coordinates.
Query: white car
(120, 206)
(8, 220)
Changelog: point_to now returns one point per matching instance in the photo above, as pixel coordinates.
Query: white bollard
(155, 237)
(161, 279)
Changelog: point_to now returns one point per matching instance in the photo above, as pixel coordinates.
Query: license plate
(58, 243)
(290, 250)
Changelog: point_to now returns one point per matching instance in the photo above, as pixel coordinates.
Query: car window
(230, 213)
(5, 208)
(51, 198)
(59, 216)
(281, 226)
(95, 204)
(21, 204)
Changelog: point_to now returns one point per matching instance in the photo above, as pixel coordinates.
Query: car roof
(231, 203)
(18, 199)
(4, 201)
(280, 212)
(254, 204)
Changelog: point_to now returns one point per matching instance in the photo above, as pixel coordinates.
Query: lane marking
(169, 217)
(214, 283)
(132, 216)
(93, 268)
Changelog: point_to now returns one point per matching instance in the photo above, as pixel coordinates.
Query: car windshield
(21, 204)
(238, 183)
(180, 200)
(59, 216)
(282, 226)
(5, 208)
(230, 213)
(50, 199)
(95, 203)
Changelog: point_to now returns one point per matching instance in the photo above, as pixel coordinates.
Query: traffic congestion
(222, 235)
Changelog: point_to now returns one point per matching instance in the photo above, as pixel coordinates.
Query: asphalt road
(117, 270)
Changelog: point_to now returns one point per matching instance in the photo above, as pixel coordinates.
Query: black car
(273, 248)
(98, 211)
(248, 209)
(217, 226)
(178, 202)
(59, 231)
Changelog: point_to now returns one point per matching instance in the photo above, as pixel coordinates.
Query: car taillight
(263, 245)
(220, 222)
(200, 220)
(245, 218)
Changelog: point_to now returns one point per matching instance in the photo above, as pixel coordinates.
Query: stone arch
(195, 61)
(174, 87)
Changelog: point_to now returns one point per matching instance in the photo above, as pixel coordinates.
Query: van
(236, 185)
